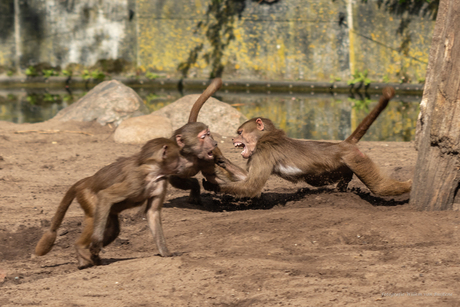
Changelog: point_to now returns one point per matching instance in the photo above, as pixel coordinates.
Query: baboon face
(248, 135)
(206, 145)
(195, 139)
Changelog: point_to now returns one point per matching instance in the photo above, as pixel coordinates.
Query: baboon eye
(203, 136)
(239, 132)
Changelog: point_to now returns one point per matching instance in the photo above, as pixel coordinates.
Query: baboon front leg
(154, 206)
(191, 184)
(112, 230)
(228, 169)
(345, 179)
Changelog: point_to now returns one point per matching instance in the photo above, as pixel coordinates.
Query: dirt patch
(296, 245)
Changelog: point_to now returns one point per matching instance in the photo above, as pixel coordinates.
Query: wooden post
(437, 172)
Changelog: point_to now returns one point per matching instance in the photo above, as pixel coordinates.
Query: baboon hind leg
(369, 173)
(82, 246)
(88, 201)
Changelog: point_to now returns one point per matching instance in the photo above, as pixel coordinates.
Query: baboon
(270, 151)
(124, 184)
(200, 149)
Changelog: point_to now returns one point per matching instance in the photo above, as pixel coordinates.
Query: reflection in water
(36, 106)
(309, 116)
(332, 117)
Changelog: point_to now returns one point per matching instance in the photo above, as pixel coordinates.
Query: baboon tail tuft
(46, 243)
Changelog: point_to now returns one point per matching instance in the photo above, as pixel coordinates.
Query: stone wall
(63, 32)
(318, 40)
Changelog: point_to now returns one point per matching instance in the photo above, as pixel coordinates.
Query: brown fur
(201, 151)
(124, 184)
(270, 151)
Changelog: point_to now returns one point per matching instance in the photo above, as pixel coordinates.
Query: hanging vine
(218, 28)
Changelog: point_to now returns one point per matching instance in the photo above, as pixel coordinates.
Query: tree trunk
(437, 175)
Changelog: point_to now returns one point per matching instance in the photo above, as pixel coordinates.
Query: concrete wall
(61, 32)
(315, 40)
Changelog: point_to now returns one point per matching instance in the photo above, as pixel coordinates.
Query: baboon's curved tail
(387, 94)
(47, 241)
(216, 83)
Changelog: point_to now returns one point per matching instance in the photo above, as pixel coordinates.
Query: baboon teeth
(238, 144)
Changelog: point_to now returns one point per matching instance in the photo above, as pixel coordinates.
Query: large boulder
(219, 116)
(140, 129)
(108, 102)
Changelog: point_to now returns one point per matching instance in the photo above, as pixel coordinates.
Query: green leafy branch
(49, 73)
(67, 72)
(335, 79)
(95, 75)
(151, 76)
(31, 72)
(360, 77)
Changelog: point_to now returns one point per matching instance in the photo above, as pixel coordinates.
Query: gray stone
(140, 129)
(219, 116)
(108, 102)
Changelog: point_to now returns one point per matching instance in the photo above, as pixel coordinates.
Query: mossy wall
(319, 40)
(7, 39)
(63, 32)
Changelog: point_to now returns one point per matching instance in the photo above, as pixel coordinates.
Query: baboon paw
(96, 259)
(166, 254)
(95, 249)
(85, 265)
(194, 200)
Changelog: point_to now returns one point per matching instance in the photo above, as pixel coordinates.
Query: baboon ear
(179, 140)
(260, 124)
(163, 152)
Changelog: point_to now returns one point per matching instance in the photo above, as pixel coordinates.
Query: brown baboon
(270, 151)
(200, 149)
(124, 184)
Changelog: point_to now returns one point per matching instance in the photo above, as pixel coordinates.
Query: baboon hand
(222, 162)
(208, 186)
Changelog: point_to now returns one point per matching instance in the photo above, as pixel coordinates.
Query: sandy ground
(295, 246)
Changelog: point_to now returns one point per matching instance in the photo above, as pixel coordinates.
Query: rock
(108, 102)
(219, 116)
(140, 129)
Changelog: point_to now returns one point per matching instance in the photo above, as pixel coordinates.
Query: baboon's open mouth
(210, 155)
(241, 145)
